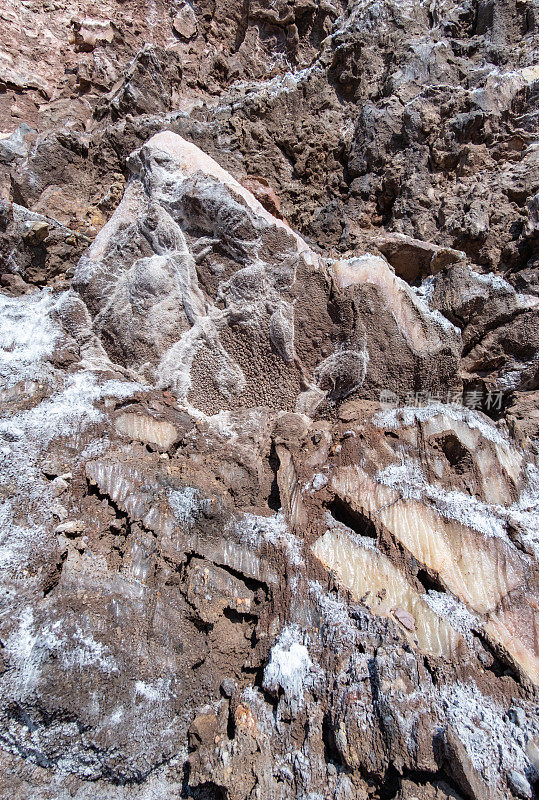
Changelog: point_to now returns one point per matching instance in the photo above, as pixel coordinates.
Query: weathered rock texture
(269, 400)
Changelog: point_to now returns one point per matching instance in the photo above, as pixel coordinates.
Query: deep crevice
(251, 583)
(230, 723)
(391, 786)
(429, 582)
(348, 516)
(92, 490)
(237, 616)
(208, 791)
(331, 752)
(499, 665)
(274, 497)
(54, 578)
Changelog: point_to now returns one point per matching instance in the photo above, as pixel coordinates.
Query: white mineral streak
(374, 580)
(153, 692)
(290, 666)
(191, 159)
(499, 465)
(492, 740)
(146, 429)
(253, 91)
(156, 299)
(471, 427)
(456, 613)
(480, 566)
(290, 491)
(68, 411)
(409, 415)
(63, 408)
(501, 87)
(184, 502)
(31, 644)
(120, 482)
(256, 529)
(78, 650)
(27, 336)
(127, 210)
(408, 310)
(408, 480)
(478, 569)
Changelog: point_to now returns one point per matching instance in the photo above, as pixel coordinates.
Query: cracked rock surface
(269, 392)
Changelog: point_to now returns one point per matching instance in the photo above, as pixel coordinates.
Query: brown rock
(413, 259)
(523, 417)
(241, 510)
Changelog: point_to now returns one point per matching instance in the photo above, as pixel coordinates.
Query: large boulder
(193, 285)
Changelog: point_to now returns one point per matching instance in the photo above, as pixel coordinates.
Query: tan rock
(89, 33)
(185, 22)
(375, 581)
(71, 527)
(147, 429)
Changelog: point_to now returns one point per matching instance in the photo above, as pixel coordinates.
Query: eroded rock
(229, 567)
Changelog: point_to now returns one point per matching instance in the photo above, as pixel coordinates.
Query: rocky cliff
(269, 400)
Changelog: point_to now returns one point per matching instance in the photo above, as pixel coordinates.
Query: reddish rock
(263, 192)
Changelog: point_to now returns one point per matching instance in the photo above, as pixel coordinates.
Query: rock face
(269, 477)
